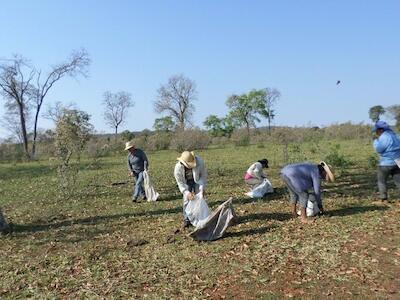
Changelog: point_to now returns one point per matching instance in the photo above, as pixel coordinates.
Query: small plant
(72, 133)
(372, 161)
(337, 160)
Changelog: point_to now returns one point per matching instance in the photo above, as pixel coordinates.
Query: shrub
(190, 139)
(240, 137)
(158, 141)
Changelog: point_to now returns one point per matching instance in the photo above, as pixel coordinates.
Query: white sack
(197, 210)
(151, 194)
(260, 190)
(312, 207)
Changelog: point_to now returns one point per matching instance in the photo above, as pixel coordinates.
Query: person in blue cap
(387, 145)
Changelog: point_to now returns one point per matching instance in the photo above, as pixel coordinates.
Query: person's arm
(381, 143)
(316, 179)
(130, 169)
(145, 161)
(179, 175)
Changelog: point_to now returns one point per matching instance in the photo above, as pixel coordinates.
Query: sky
(227, 47)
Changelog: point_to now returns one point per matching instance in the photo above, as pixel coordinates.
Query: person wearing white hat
(302, 177)
(191, 176)
(137, 163)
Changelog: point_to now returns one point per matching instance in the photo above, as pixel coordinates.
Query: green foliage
(240, 138)
(72, 133)
(372, 161)
(337, 159)
(375, 112)
(394, 112)
(219, 126)
(127, 135)
(165, 124)
(247, 109)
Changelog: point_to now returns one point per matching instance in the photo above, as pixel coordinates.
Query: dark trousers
(383, 173)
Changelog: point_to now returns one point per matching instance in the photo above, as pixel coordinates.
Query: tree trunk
(35, 131)
(23, 129)
(116, 132)
(269, 126)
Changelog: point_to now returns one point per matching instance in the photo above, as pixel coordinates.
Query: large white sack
(151, 194)
(260, 190)
(197, 210)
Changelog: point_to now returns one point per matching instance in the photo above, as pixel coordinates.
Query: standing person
(387, 145)
(137, 163)
(191, 176)
(255, 175)
(302, 177)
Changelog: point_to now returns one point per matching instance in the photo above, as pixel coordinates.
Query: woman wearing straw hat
(302, 177)
(137, 163)
(191, 176)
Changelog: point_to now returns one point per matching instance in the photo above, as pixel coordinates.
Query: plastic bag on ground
(260, 190)
(216, 224)
(151, 194)
(197, 210)
(312, 207)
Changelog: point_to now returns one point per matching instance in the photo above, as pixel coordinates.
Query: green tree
(219, 126)
(375, 112)
(166, 124)
(394, 113)
(247, 109)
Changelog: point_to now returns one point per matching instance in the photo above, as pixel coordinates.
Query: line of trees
(392, 112)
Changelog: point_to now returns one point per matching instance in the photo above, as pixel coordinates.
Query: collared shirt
(388, 147)
(136, 161)
(303, 177)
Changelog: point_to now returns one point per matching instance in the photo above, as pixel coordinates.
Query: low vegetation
(98, 244)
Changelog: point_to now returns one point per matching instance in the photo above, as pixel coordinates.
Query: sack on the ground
(151, 194)
(197, 210)
(312, 206)
(260, 190)
(4, 227)
(216, 224)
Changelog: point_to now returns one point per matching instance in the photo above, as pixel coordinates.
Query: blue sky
(299, 47)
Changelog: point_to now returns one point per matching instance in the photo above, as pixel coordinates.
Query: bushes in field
(191, 139)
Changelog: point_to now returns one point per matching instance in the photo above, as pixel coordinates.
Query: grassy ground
(84, 247)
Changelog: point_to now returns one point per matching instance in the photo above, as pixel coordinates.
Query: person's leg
(140, 182)
(186, 223)
(293, 197)
(383, 173)
(303, 199)
(138, 190)
(396, 176)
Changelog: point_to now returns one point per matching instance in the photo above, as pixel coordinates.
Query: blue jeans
(138, 188)
(193, 188)
(296, 197)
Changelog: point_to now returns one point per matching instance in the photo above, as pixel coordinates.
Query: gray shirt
(136, 161)
(303, 177)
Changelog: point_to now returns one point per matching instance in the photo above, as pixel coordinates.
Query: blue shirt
(388, 147)
(136, 161)
(303, 177)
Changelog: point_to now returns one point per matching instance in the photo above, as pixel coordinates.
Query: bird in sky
(338, 82)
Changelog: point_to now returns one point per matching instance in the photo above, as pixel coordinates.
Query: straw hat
(129, 145)
(328, 170)
(187, 159)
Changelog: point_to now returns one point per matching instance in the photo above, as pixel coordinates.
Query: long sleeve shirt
(303, 177)
(387, 145)
(256, 171)
(137, 160)
(199, 175)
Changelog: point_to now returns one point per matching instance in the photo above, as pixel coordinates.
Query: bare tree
(55, 111)
(116, 108)
(16, 76)
(176, 98)
(271, 96)
(23, 85)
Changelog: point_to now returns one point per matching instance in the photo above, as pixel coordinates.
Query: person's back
(388, 147)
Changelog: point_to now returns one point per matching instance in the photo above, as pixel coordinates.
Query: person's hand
(130, 174)
(190, 196)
